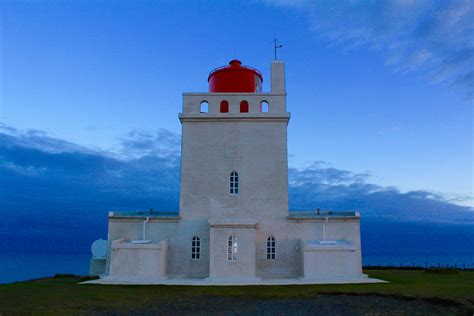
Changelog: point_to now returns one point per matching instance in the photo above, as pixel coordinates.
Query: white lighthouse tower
(233, 225)
(234, 168)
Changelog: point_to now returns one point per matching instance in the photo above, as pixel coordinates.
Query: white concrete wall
(256, 150)
(278, 83)
(138, 259)
(180, 237)
(192, 103)
(325, 264)
(289, 254)
(286, 259)
(336, 229)
(244, 267)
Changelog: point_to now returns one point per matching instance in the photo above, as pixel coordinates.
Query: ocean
(383, 243)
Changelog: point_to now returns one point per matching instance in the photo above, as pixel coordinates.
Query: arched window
(244, 106)
(271, 248)
(204, 107)
(232, 248)
(196, 248)
(264, 106)
(224, 106)
(234, 183)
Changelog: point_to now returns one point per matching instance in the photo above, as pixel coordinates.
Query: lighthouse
(234, 168)
(233, 225)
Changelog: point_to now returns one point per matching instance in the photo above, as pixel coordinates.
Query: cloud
(432, 38)
(333, 189)
(35, 139)
(162, 143)
(321, 173)
(54, 195)
(46, 174)
(35, 167)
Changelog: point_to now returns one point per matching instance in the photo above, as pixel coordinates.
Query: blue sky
(380, 95)
(379, 89)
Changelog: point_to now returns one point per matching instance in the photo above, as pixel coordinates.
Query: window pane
(195, 247)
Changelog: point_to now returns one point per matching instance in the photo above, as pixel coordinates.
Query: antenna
(276, 46)
(235, 53)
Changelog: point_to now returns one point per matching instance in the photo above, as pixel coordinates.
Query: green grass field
(63, 295)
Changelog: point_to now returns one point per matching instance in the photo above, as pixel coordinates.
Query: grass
(63, 295)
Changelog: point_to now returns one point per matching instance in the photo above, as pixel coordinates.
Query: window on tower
(232, 248)
(234, 183)
(244, 106)
(264, 107)
(204, 108)
(271, 248)
(224, 106)
(196, 248)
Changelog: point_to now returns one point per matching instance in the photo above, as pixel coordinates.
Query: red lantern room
(235, 78)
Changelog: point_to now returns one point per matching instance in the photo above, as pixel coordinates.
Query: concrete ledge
(123, 244)
(322, 219)
(321, 246)
(142, 218)
(238, 94)
(233, 280)
(239, 282)
(232, 117)
(233, 222)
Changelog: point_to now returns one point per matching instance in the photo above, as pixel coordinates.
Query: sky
(380, 95)
(380, 92)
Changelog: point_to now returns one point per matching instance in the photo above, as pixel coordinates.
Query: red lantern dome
(235, 78)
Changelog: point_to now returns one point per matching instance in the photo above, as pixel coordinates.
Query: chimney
(278, 77)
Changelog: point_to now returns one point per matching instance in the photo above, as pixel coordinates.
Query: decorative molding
(140, 219)
(226, 94)
(323, 219)
(234, 117)
(238, 223)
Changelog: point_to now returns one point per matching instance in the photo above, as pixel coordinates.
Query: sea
(383, 243)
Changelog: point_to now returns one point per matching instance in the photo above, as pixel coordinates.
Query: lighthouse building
(233, 225)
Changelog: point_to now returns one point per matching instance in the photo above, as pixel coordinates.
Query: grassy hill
(409, 292)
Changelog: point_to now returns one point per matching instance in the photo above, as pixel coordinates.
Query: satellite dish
(99, 249)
